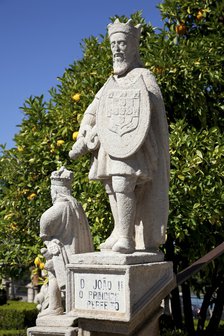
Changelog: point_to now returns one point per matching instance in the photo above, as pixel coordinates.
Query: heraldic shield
(123, 117)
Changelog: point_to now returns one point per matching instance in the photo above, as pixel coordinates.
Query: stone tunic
(145, 160)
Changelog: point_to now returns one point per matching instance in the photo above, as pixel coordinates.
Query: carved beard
(120, 64)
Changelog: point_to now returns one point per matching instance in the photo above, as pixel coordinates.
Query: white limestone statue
(125, 127)
(65, 231)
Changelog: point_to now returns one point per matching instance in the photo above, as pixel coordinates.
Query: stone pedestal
(56, 331)
(32, 291)
(60, 325)
(117, 294)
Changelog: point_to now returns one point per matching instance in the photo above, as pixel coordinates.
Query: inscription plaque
(102, 292)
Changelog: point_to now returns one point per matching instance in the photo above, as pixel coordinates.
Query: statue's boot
(126, 213)
(112, 239)
(124, 245)
(109, 242)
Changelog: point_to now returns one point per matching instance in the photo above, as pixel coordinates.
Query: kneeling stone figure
(65, 231)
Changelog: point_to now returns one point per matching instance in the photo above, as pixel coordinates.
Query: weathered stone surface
(53, 321)
(118, 291)
(126, 129)
(109, 328)
(113, 258)
(123, 117)
(126, 293)
(65, 231)
(52, 331)
(119, 299)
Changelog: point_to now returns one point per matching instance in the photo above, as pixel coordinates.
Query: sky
(39, 39)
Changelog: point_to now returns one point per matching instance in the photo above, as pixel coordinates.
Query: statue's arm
(87, 138)
(50, 227)
(50, 222)
(89, 118)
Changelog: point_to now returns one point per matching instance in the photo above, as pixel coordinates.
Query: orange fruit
(181, 29)
(41, 265)
(60, 142)
(74, 135)
(199, 15)
(37, 261)
(76, 97)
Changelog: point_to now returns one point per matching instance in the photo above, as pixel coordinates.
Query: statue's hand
(49, 266)
(45, 252)
(92, 139)
(53, 248)
(78, 149)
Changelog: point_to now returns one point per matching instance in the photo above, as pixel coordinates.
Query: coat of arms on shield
(123, 110)
(123, 117)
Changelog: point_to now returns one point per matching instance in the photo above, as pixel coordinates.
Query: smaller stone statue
(65, 231)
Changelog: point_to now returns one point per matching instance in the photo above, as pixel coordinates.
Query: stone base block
(109, 328)
(114, 258)
(117, 298)
(61, 325)
(116, 292)
(52, 331)
(59, 320)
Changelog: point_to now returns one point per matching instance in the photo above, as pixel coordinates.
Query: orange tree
(46, 134)
(186, 58)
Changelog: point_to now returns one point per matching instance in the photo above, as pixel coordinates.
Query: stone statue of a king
(65, 231)
(125, 128)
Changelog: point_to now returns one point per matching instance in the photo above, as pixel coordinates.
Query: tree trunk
(188, 315)
(176, 308)
(175, 296)
(204, 308)
(217, 312)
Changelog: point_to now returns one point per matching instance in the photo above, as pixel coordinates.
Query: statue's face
(59, 192)
(124, 52)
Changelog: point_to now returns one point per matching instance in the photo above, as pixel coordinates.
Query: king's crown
(62, 177)
(127, 28)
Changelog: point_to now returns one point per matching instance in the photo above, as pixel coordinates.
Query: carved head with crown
(61, 182)
(124, 41)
